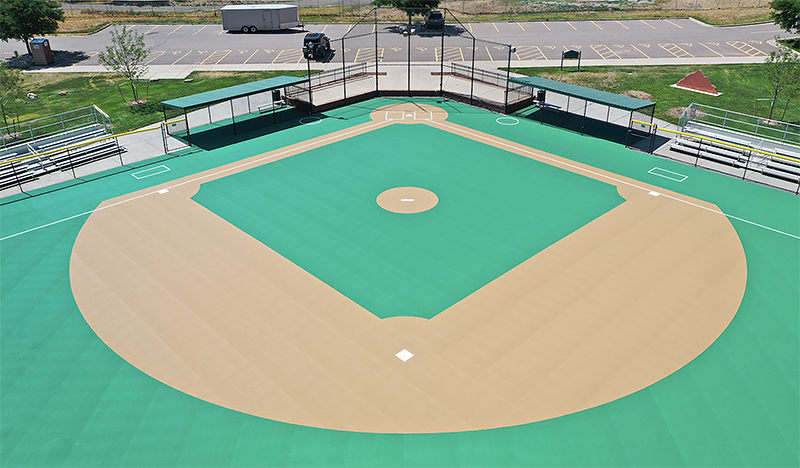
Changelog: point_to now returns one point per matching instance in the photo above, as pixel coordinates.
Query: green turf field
(496, 209)
(67, 400)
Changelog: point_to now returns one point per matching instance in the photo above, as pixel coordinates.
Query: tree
(10, 90)
(411, 7)
(783, 72)
(126, 55)
(25, 19)
(786, 14)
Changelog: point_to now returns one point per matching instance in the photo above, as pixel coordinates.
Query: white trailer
(253, 18)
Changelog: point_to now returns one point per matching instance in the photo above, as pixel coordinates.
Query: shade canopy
(593, 95)
(197, 101)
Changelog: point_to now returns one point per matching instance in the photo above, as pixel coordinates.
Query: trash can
(42, 55)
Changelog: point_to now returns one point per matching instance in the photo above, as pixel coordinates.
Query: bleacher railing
(759, 127)
(45, 127)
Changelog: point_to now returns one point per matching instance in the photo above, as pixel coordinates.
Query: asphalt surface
(535, 43)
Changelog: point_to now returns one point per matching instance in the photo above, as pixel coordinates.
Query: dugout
(221, 105)
(588, 111)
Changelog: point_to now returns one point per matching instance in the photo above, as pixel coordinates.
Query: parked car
(434, 19)
(316, 45)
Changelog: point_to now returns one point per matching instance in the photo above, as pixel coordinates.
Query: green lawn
(739, 84)
(102, 90)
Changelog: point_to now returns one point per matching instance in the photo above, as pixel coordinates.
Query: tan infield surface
(198, 304)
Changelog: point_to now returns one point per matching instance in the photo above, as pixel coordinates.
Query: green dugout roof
(601, 97)
(197, 101)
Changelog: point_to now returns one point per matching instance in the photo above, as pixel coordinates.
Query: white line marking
(667, 175)
(163, 191)
(406, 199)
(655, 194)
(140, 174)
(578, 168)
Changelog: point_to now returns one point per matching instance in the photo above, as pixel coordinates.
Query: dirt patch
(676, 112)
(635, 93)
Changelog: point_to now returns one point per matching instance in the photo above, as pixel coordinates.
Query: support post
(472, 74)
(508, 77)
(233, 117)
(441, 66)
(377, 58)
(344, 75)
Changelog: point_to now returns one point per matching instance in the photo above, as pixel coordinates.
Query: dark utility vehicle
(316, 45)
(434, 19)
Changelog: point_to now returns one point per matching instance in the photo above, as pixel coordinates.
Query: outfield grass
(739, 84)
(102, 90)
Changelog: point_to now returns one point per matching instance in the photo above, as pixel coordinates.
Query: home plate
(404, 355)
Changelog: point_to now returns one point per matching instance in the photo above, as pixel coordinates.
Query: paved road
(606, 41)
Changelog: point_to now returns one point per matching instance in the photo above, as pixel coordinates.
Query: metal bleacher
(56, 144)
(739, 149)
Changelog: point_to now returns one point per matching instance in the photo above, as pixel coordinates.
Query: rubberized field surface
(496, 209)
(68, 400)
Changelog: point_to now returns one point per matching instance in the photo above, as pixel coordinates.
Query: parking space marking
(598, 26)
(150, 30)
(546, 26)
(676, 25)
(215, 57)
(640, 51)
(495, 27)
(251, 56)
(289, 56)
(367, 54)
(451, 54)
(530, 53)
(623, 25)
(675, 50)
(709, 48)
(204, 26)
(746, 48)
(170, 33)
(182, 56)
(154, 55)
(520, 26)
(490, 54)
(571, 26)
(604, 51)
(648, 24)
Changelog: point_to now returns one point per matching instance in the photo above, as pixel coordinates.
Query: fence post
(472, 74)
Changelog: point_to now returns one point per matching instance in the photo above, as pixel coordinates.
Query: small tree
(24, 19)
(10, 90)
(411, 7)
(783, 72)
(126, 55)
(786, 14)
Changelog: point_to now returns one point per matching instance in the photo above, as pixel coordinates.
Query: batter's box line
(395, 115)
(423, 115)
(657, 171)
